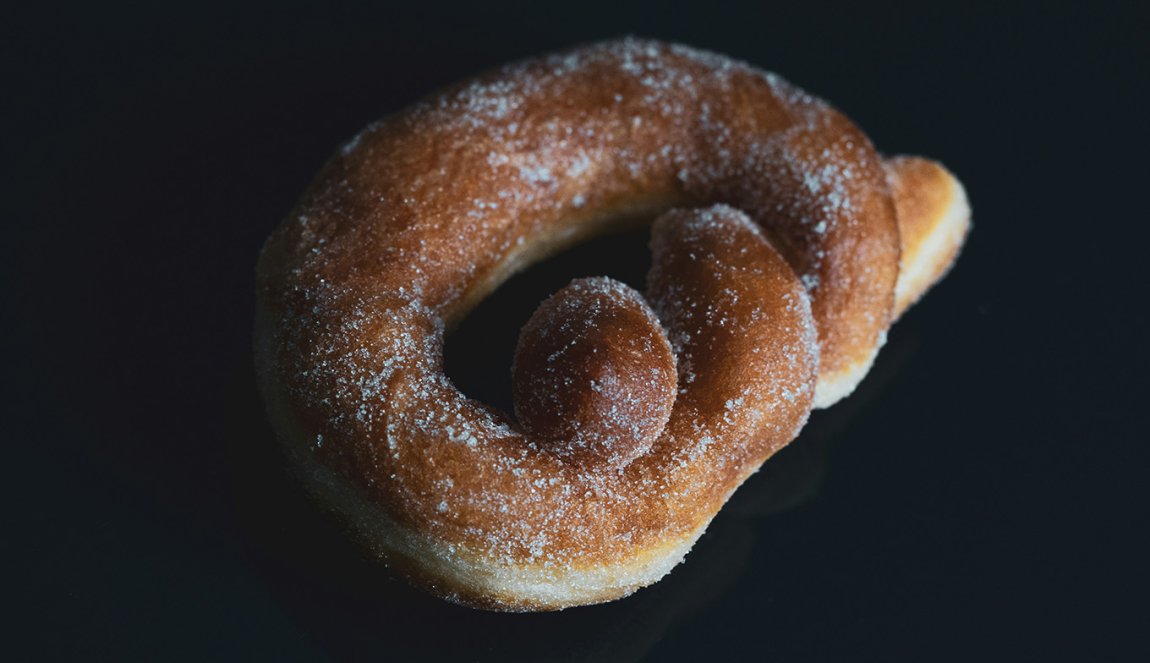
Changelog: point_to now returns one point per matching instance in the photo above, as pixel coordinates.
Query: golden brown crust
(933, 221)
(594, 374)
(532, 152)
(426, 211)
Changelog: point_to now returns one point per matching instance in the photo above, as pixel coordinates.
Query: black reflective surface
(980, 497)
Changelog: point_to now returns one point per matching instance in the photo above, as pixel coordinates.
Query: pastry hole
(479, 351)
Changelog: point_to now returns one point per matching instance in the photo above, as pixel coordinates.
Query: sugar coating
(423, 213)
(594, 374)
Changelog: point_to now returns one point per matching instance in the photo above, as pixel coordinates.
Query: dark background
(981, 497)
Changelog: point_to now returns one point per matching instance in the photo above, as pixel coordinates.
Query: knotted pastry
(774, 280)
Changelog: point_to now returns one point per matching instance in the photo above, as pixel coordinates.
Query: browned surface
(558, 142)
(594, 374)
(429, 209)
(926, 196)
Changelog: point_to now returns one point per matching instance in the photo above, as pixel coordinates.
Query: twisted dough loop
(429, 210)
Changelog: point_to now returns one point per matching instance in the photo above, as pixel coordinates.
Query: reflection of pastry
(756, 310)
